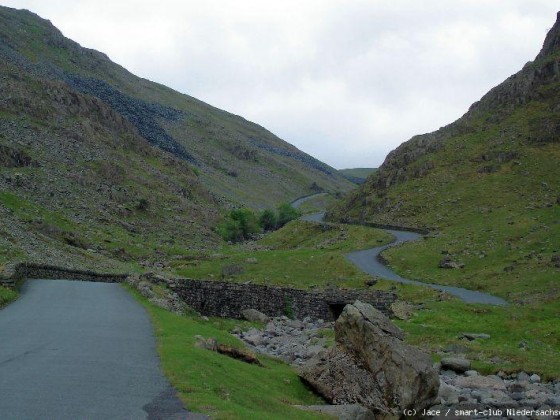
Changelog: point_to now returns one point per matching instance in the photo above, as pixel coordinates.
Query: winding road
(368, 261)
(77, 350)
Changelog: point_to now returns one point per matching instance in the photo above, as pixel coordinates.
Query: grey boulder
(372, 366)
(255, 316)
(456, 364)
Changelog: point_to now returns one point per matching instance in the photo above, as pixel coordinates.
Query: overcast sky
(344, 80)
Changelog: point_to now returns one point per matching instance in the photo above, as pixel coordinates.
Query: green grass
(217, 385)
(522, 337)
(509, 260)
(317, 204)
(307, 254)
(7, 296)
(295, 268)
(304, 235)
(300, 255)
(498, 216)
(28, 211)
(358, 172)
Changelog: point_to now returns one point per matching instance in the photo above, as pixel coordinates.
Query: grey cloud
(345, 81)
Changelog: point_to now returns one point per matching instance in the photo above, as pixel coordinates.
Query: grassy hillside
(219, 386)
(306, 255)
(357, 175)
(102, 169)
(488, 188)
(301, 254)
(237, 160)
(79, 186)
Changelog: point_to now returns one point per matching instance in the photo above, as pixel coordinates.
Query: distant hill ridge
(357, 175)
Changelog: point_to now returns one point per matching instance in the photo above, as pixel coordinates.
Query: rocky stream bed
(463, 392)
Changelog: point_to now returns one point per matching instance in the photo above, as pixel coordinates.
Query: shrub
(247, 221)
(142, 205)
(230, 231)
(239, 225)
(286, 213)
(268, 219)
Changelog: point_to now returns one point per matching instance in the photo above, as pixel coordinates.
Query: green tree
(286, 213)
(268, 219)
(230, 230)
(239, 225)
(247, 221)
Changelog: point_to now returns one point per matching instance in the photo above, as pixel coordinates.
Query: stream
(368, 261)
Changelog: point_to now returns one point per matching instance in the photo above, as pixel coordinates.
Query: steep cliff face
(237, 160)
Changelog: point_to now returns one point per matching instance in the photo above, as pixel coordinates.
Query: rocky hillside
(237, 160)
(487, 185)
(79, 183)
(99, 168)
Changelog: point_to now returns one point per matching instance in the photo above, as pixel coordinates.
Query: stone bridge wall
(223, 299)
(226, 299)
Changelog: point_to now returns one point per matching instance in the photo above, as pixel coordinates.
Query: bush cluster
(241, 224)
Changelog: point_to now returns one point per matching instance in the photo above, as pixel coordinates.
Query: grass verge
(522, 337)
(217, 385)
(7, 296)
(301, 255)
(522, 334)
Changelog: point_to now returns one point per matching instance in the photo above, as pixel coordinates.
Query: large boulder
(372, 366)
(254, 316)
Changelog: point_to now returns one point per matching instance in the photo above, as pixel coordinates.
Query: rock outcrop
(372, 366)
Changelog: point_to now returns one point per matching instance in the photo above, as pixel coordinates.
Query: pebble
(535, 379)
(499, 392)
(456, 364)
(522, 376)
(293, 341)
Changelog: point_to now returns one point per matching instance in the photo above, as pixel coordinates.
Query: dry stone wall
(224, 299)
(17, 272)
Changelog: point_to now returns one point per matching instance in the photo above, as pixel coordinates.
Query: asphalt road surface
(80, 350)
(368, 262)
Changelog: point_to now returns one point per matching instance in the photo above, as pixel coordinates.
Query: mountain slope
(238, 161)
(102, 169)
(80, 186)
(487, 185)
